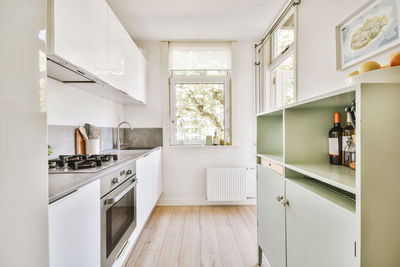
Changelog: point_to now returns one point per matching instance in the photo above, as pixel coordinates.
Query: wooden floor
(198, 236)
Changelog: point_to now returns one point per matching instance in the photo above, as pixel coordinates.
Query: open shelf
(336, 196)
(270, 136)
(276, 158)
(274, 112)
(336, 175)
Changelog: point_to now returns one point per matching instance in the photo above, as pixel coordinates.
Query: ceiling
(197, 19)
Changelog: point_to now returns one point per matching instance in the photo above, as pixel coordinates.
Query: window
(283, 62)
(199, 92)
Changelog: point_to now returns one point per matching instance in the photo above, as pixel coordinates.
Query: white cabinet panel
(79, 34)
(157, 175)
(74, 228)
(271, 216)
(87, 37)
(121, 57)
(140, 75)
(144, 176)
(149, 175)
(319, 233)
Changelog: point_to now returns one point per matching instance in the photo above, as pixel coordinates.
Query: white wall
(23, 135)
(317, 46)
(184, 169)
(68, 105)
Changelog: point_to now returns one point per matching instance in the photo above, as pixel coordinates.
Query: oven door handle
(115, 199)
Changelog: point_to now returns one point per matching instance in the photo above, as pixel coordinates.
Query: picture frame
(371, 30)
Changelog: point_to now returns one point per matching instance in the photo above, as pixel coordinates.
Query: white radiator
(226, 184)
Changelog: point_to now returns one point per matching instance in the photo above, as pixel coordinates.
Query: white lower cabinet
(144, 175)
(157, 175)
(149, 176)
(271, 216)
(74, 228)
(299, 228)
(319, 233)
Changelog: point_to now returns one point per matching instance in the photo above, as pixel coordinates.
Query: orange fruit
(353, 73)
(395, 59)
(369, 65)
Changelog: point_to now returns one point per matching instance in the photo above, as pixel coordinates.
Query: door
(80, 33)
(319, 233)
(74, 228)
(118, 220)
(271, 215)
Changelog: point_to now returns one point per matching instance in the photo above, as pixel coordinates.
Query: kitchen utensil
(87, 128)
(79, 143)
(95, 132)
(92, 146)
(92, 130)
(83, 132)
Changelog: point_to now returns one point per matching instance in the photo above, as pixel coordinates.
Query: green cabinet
(271, 215)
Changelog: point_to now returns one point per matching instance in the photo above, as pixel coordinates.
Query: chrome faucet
(119, 125)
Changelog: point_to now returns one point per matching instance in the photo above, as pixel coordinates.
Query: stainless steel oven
(118, 213)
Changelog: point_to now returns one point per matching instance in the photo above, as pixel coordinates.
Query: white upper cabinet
(139, 75)
(127, 65)
(87, 39)
(78, 34)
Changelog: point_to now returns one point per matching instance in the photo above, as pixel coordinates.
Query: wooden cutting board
(79, 143)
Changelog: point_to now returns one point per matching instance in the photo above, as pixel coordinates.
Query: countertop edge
(94, 176)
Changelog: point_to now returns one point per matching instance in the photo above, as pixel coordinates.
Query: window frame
(198, 79)
(276, 60)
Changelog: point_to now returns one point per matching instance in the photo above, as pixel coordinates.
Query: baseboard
(200, 202)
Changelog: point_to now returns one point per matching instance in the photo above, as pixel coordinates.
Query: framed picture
(370, 30)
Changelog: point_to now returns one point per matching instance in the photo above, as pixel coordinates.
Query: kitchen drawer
(272, 166)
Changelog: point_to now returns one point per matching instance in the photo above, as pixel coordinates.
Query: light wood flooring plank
(210, 252)
(250, 219)
(147, 258)
(142, 239)
(247, 247)
(229, 249)
(195, 236)
(253, 208)
(190, 253)
(152, 248)
(171, 249)
(159, 229)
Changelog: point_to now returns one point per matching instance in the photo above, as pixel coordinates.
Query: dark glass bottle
(335, 141)
(348, 131)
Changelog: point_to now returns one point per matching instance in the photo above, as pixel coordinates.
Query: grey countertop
(62, 184)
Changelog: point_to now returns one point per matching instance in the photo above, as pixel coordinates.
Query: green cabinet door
(319, 233)
(271, 216)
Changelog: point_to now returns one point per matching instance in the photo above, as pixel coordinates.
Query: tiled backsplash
(62, 138)
(142, 137)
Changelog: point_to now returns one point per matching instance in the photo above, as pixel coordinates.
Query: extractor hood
(64, 74)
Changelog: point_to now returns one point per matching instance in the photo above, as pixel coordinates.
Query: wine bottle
(335, 141)
(348, 131)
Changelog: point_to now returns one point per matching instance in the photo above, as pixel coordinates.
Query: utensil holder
(92, 146)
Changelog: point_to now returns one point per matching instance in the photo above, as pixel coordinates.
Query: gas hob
(82, 163)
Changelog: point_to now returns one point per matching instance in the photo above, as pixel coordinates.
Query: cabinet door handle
(285, 202)
(279, 198)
